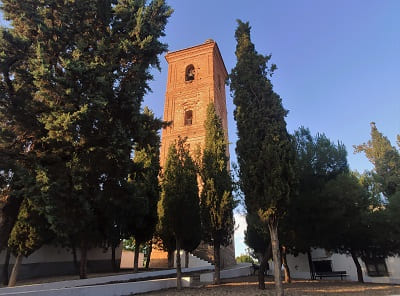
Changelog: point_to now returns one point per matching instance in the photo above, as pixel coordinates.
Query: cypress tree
(180, 199)
(257, 237)
(19, 185)
(264, 148)
(29, 233)
(216, 201)
(147, 158)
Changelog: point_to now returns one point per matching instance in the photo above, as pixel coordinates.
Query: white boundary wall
(94, 281)
(243, 269)
(47, 254)
(108, 289)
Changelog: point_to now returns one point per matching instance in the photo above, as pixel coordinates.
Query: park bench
(325, 274)
(256, 268)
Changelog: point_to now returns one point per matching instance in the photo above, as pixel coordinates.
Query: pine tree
(77, 72)
(216, 201)
(180, 199)
(385, 178)
(386, 160)
(345, 228)
(334, 209)
(264, 148)
(318, 160)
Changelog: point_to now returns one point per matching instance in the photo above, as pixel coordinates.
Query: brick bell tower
(196, 77)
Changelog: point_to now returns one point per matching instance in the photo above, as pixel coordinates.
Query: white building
(377, 271)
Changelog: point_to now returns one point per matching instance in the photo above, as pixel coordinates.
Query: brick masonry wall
(194, 95)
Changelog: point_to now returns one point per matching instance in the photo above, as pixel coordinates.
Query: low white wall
(53, 261)
(393, 265)
(47, 254)
(109, 289)
(98, 280)
(239, 270)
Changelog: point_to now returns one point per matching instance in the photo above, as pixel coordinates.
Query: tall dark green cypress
(145, 177)
(180, 209)
(264, 148)
(74, 73)
(30, 232)
(216, 200)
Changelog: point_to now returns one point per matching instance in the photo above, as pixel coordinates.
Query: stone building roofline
(209, 43)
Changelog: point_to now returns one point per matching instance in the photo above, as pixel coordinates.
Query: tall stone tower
(196, 77)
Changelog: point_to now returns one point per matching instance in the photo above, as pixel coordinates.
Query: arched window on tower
(188, 117)
(189, 73)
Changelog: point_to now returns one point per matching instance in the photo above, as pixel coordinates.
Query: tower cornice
(208, 46)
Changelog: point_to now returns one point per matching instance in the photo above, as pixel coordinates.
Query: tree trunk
(186, 259)
(170, 259)
(5, 267)
(273, 230)
(311, 264)
(261, 271)
(83, 263)
(136, 258)
(178, 265)
(263, 267)
(358, 267)
(75, 258)
(288, 278)
(15, 270)
(217, 263)
(149, 254)
(113, 261)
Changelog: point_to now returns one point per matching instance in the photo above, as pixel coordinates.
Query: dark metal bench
(323, 274)
(256, 268)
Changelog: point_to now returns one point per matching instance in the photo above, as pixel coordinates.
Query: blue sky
(338, 62)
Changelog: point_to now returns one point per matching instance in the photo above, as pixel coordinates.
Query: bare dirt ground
(248, 286)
